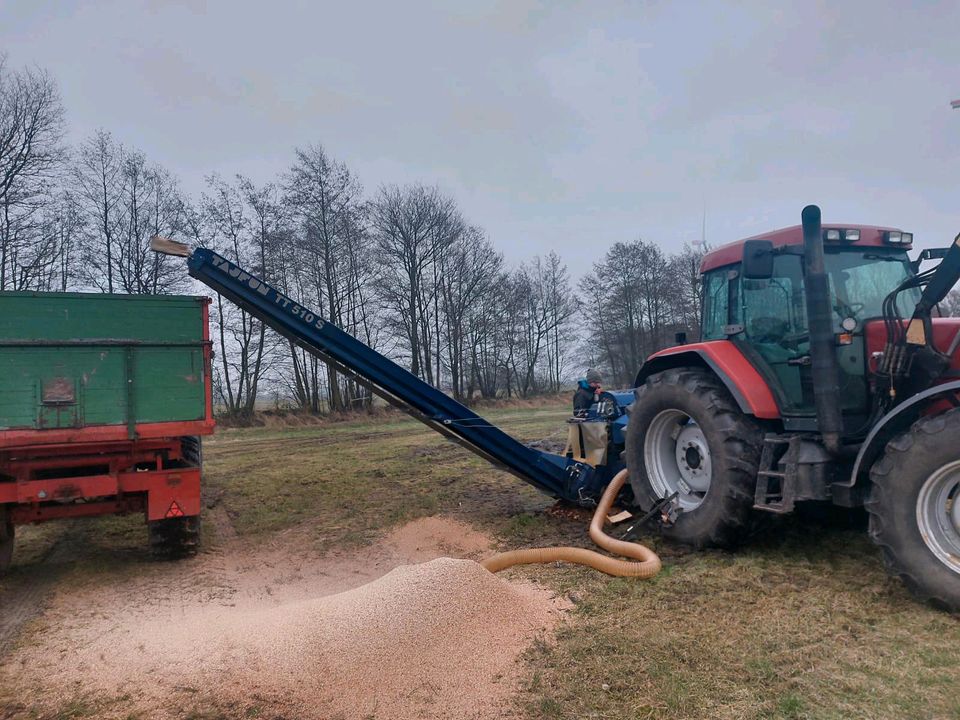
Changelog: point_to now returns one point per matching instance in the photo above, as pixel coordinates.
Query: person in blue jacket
(588, 388)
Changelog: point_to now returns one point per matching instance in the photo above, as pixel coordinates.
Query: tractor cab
(753, 296)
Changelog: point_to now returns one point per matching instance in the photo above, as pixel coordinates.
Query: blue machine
(555, 475)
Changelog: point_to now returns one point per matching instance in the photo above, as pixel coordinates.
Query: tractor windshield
(861, 279)
(773, 315)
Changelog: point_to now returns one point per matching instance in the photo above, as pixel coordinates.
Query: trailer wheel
(687, 436)
(174, 538)
(7, 535)
(914, 509)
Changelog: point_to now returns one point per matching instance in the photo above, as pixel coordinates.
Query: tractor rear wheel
(6, 539)
(686, 435)
(914, 509)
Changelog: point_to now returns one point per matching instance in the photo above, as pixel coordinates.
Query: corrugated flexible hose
(645, 563)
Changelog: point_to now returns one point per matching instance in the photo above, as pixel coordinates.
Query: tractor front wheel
(6, 539)
(687, 437)
(914, 509)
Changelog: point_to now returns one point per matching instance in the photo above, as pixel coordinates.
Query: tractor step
(793, 468)
(776, 488)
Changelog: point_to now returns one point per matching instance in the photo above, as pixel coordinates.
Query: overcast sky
(557, 125)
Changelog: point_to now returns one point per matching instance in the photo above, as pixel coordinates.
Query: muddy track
(26, 591)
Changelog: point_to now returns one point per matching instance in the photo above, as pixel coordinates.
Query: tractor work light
(831, 235)
(906, 238)
(895, 237)
(851, 235)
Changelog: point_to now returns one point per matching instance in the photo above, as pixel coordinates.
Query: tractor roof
(870, 236)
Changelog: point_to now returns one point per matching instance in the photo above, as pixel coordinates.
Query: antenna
(702, 242)
(703, 228)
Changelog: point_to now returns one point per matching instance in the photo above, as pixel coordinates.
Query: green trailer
(103, 400)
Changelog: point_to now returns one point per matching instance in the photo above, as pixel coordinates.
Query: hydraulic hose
(646, 564)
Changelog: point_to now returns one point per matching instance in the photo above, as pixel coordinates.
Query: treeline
(400, 268)
(635, 302)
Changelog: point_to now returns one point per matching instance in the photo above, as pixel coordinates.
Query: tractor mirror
(757, 260)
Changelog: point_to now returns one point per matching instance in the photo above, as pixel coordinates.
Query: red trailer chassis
(81, 479)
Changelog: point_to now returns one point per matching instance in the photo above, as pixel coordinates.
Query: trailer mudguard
(894, 422)
(739, 376)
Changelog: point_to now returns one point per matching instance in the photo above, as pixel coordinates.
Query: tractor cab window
(716, 303)
(774, 319)
(773, 315)
(859, 282)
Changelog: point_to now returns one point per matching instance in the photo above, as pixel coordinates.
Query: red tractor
(820, 376)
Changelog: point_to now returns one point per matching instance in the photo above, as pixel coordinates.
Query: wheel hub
(677, 458)
(693, 457)
(938, 514)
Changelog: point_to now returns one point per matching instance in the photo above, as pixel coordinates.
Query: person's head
(594, 378)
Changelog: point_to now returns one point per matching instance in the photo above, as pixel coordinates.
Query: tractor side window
(774, 310)
(775, 325)
(715, 304)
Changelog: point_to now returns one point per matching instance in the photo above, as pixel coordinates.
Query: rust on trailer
(103, 433)
(59, 391)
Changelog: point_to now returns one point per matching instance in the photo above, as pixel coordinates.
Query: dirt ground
(801, 623)
(272, 630)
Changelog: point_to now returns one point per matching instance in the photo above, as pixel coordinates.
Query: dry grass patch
(808, 628)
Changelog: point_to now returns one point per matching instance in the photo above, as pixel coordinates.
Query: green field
(803, 623)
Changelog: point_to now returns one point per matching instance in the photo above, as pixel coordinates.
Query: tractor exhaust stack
(823, 357)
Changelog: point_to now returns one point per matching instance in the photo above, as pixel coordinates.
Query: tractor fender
(741, 378)
(895, 421)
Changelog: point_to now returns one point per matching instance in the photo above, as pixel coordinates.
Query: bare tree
(634, 300)
(324, 199)
(688, 295)
(561, 306)
(31, 153)
(99, 180)
(468, 270)
(412, 226)
(950, 306)
(151, 205)
(241, 336)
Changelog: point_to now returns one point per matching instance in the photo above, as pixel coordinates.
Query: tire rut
(27, 593)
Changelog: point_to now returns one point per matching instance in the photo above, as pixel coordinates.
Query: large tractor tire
(914, 509)
(6, 539)
(687, 436)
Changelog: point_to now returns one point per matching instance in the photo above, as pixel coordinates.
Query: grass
(803, 623)
(352, 480)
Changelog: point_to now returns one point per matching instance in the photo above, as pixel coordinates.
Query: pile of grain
(435, 640)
